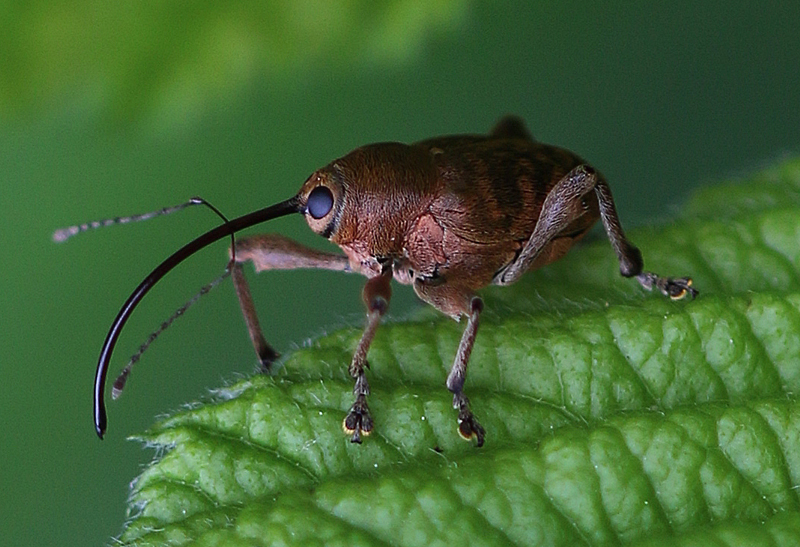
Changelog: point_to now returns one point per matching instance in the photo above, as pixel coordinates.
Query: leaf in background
(144, 55)
(613, 417)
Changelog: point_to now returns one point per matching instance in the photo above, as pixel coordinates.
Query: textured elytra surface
(613, 417)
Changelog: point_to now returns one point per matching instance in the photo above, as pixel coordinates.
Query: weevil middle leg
(468, 426)
(457, 301)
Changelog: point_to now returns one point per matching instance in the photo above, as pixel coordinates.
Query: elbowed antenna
(257, 217)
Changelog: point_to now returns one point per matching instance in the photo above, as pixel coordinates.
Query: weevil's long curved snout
(283, 208)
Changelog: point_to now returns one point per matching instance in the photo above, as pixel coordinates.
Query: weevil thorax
(368, 201)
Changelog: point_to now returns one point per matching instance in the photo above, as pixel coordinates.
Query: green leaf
(613, 417)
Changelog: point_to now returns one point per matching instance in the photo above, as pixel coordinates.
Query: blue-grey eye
(320, 202)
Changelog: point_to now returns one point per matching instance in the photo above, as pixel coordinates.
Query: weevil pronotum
(448, 215)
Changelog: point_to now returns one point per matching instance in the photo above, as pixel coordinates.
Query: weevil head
(368, 200)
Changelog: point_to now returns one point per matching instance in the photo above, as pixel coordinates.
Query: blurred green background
(109, 109)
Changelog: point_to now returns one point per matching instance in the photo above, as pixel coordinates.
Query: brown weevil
(448, 215)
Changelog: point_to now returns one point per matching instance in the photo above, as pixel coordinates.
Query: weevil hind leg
(630, 258)
(377, 294)
(564, 205)
(273, 252)
(674, 287)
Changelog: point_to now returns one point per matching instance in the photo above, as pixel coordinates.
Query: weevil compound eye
(320, 202)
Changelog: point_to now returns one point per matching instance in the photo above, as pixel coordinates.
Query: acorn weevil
(448, 215)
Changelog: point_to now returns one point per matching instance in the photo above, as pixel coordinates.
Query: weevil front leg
(377, 294)
(273, 252)
(565, 203)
